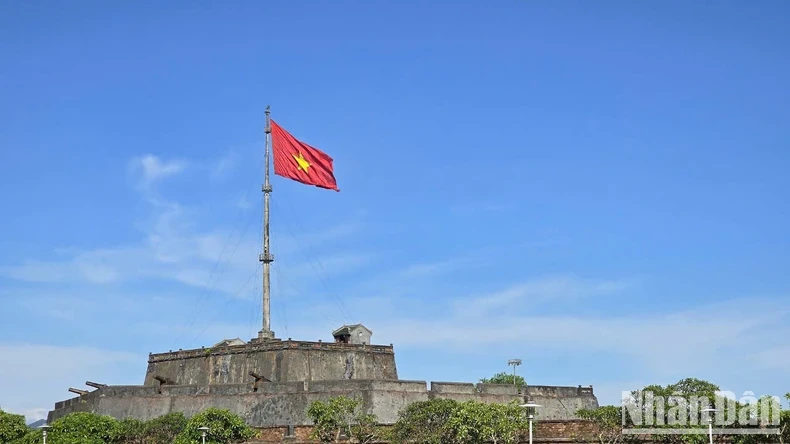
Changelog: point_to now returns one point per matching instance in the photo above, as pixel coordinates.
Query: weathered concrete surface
(285, 403)
(556, 401)
(276, 360)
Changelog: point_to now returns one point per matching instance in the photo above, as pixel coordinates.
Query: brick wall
(544, 432)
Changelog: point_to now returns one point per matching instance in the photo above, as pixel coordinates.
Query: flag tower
(297, 161)
(266, 257)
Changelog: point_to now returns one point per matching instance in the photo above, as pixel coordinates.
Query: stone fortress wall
(271, 383)
(279, 361)
(285, 403)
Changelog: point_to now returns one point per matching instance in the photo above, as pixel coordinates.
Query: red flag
(301, 162)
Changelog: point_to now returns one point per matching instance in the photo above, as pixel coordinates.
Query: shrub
(12, 426)
(224, 427)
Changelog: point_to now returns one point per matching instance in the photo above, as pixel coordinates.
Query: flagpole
(266, 257)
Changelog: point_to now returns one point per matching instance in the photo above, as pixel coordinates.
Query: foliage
(784, 424)
(608, 422)
(682, 411)
(89, 428)
(685, 392)
(83, 428)
(342, 416)
(504, 378)
(130, 431)
(224, 427)
(11, 426)
(424, 422)
(476, 422)
(164, 429)
(31, 437)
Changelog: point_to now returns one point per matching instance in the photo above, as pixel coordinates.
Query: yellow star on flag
(301, 162)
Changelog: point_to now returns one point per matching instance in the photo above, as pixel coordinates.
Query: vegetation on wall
(505, 378)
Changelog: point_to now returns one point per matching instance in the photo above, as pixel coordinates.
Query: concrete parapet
(498, 389)
(559, 391)
(282, 387)
(401, 386)
(254, 347)
(466, 388)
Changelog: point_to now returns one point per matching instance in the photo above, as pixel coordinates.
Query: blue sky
(597, 189)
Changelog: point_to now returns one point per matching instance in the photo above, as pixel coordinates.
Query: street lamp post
(710, 423)
(530, 406)
(204, 430)
(44, 429)
(514, 363)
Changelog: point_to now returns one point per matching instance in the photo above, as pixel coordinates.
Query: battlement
(264, 346)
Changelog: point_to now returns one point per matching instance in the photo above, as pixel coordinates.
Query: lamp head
(531, 407)
(709, 410)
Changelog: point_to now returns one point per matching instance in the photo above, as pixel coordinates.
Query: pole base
(264, 335)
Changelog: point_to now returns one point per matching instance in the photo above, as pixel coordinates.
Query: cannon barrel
(163, 380)
(78, 391)
(259, 377)
(95, 384)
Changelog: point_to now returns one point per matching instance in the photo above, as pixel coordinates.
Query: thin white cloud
(31, 386)
(483, 207)
(152, 168)
(675, 342)
(224, 166)
(426, 269)
(774, 358)
(174, 249)
(550, 288)
(243, 203)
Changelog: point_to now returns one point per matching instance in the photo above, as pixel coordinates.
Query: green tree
(224, 427)
(504, 378)
(608, 424)
(81, 428)
(424, 422)
(164, 429)
(766, 409)
(475, 422)
(784, 426)
(684, 392)
(12, 426)
(342, 416)
(129, 431)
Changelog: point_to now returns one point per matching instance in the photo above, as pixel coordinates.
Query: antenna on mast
(266, 257)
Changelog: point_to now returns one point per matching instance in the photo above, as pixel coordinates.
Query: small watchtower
(353, 334)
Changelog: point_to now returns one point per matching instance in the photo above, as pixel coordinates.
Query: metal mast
(266, 257)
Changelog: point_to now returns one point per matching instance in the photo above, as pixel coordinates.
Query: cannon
(163, 381)
(258, 379)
